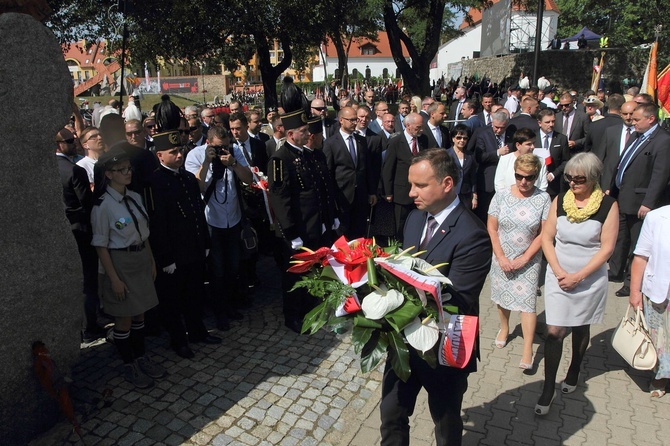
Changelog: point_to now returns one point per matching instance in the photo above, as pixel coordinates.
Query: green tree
(419, 25)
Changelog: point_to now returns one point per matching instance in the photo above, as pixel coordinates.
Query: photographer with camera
(219, 167)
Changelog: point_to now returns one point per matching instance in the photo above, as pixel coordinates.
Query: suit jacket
(396, 167)
(597, 130)
(578, 131)
(262, 137)
(468, 173)
(481, 117)
(374, 126)
(609, 152)
(523, 121)
(375, 149)
(560, 154)
(398, 123)
(484, 145)
(474, 122)
(331, 127)
(77, 195)
(259, 154)
(432, 142)
(451, 116)
(645, 180)
(462, 244)
(424, 116)
(354, 181)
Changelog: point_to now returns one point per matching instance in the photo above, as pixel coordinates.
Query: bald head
(627, 112)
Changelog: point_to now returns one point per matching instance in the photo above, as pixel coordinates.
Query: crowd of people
(538, 188)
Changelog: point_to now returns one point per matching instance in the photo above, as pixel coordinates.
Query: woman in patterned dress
(650, 289)
(577, 240)
(516, 218)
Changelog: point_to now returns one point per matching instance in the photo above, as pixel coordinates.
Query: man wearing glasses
(78, 199)
(327, 124)
(571, 123)
(137, 135)
(91, 141)
(207, 117)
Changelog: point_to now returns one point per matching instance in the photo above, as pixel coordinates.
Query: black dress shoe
(623, 291)
(184, 352)
(235, 315)
(222, 323)
(209, 339)
(293, 325)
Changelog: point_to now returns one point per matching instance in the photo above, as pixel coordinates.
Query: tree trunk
(416, 77)
(342, 57)
(270, 73)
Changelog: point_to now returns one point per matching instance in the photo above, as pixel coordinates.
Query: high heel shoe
(543, 410)
(526, 365)
(567, 388)
(497, 343)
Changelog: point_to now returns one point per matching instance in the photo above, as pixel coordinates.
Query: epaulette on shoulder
(277, 171)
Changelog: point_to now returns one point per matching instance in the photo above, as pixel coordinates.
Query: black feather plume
(291, 97)
(167, 115)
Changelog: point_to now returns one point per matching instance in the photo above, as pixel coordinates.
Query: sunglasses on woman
(528, 178)
(577, 179)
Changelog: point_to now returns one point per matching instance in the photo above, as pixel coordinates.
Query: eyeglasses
(217, 148)
(528, 178)
(564, 105)
(319, 108)
(95, 135)
(66, 141)
(149, 126)
(460, 138)
(123, 171)
(134, 133)
(193, 129)
(185, 132)
(208, 116)
(352, 120)
(577, 179)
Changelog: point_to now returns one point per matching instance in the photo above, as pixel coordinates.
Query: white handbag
(632, 341)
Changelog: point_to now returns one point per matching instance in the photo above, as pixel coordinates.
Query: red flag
(664, 89)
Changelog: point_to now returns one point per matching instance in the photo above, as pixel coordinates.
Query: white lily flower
(381, 302)
(422, 336)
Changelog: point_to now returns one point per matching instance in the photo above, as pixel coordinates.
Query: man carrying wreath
(452, 235)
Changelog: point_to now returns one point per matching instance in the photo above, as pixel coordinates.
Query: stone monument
(40, 271)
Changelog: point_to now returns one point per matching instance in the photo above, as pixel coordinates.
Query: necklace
(577, 215)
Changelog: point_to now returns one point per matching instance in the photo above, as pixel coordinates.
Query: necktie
(431, 224)
(628, 154)
(352, 149)
(546, 142)
(414, 150)
(488, 119)
(566, 123)
(126, 200)
(458, 110)
(438, 136)
(257, 137)
(500, 140)
(628, 131)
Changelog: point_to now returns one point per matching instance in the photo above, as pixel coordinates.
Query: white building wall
(455, 50)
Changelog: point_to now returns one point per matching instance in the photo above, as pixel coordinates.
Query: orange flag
(649, 82)
(664, 90)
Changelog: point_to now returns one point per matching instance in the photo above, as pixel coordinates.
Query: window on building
(369, 51)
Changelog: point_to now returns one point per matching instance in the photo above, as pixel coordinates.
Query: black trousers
(401, 211)
(89, 266)
(445, 386)
(180, 295)
(483, 202)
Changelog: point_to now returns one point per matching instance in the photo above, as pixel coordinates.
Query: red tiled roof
(382, 45)
(476, 14)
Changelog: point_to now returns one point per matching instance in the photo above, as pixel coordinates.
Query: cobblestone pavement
(266, 385)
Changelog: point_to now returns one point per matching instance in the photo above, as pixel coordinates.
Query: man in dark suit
(319, 109)
(381, 108)
(399, 155)
(403, 111)
(559, 153)
(278, 136)
(373, 141)
(641, 180)
(526, 118)
(450, 235)
(256, 155)
(485, 114)
(572, 123)
(388, 130)
(469, 113)
(456, 106)
(351, 166)
(610, 149)
(255, 120)
(488, 144)
(425, 103)
(612, 118)
(437, 135)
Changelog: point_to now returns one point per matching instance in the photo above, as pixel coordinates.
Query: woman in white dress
(578, 238)
(516, 217)
(524, 142)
